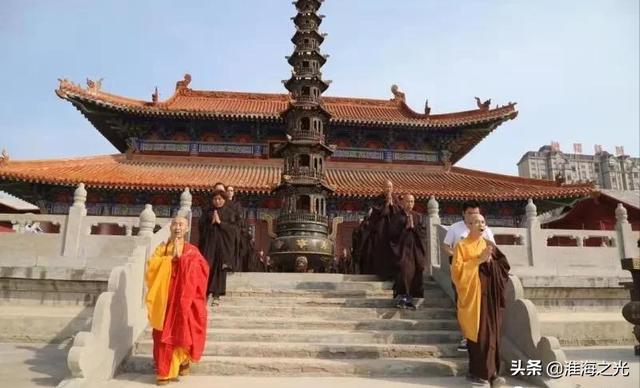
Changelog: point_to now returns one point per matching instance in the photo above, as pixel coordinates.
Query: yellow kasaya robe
(465, 276)
(176, 307)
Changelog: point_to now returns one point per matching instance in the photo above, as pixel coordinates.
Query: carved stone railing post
(185, 208)
(147, 221)
(521, 339)
(433, 220)
(627, 245)
(534, 237)
(119, 316)
(73, 226)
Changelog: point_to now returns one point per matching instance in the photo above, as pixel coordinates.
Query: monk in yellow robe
(176, 279)
(480, 272)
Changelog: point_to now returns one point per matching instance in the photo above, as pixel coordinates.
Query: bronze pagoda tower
(302, 226)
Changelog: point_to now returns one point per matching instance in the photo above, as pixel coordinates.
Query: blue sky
(571, 65)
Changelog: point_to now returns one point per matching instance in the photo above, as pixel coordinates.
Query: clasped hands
(178, 246)
(216, 218)
(409, 224)
(487, 252)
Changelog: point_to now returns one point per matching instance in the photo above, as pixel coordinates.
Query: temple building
(276, 151)
(196, 138)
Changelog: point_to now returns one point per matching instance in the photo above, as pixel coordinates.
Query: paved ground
(606, 354)
(139, 381)
(32, 364)
(44, 365)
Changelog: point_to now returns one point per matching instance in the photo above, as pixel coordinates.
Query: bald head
(179, 227)
(408, 202)
(476, 225)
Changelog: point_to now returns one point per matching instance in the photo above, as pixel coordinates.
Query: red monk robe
(176, 301)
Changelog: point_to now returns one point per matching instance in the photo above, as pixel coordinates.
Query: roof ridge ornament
(4, 157)
(398, 95)
(184, 83)
(427, 108)
(155, 96)
(94, 86)
(483, 105)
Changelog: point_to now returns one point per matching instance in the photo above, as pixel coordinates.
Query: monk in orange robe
(480, 273)
(176, 280)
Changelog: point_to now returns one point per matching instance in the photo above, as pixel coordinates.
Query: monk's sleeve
(501, 274)
(461, 268)
(198, 276)
(157, 278)
(202, 229)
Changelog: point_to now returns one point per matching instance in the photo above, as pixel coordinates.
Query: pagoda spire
(302, 226)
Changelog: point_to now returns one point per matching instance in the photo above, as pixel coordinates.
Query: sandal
(185, 369)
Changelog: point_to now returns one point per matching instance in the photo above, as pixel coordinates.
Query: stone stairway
(321, 325)
(47, 304)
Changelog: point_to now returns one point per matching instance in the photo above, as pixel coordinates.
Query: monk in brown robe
(480, 273)
(356, 246)
(218, 238)
(408, 243)
(244, 249)
(381, 256)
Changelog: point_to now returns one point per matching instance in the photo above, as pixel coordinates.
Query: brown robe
(484, 355)
(381, 256)
(363, 245)
(357, 237)
(218, 244)
(244, 248)
(410, 251)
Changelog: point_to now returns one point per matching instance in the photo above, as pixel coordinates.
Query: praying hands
(216, 218)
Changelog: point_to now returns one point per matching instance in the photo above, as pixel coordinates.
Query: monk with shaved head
(176, 279)
(408, 242)
(480, 273)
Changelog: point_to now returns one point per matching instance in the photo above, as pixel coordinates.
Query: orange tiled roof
(188, 103)
(259, 176)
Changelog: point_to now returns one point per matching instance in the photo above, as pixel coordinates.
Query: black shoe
(400, 304)
(409, 306)
(462, 347)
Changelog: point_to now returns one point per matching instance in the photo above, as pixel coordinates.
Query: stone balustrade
(70, 240)
(119, 316)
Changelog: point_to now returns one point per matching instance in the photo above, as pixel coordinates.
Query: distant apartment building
(616, 172)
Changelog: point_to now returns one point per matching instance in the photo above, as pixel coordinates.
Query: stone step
(260, 366)
(306, 281)
(237, 278)
(321, 351)
(331, 336)
(434, 301)
(321, 324)
(43, 323)
(37, 298)
(284, 293)
(318, 285)
(53, 285)
(50, 292)
(587, 328)
(331, 313)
